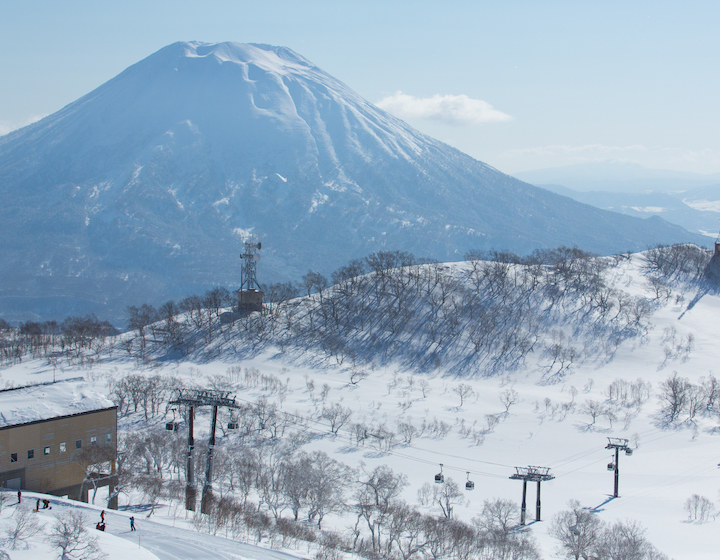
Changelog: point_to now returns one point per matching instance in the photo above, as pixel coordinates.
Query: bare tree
(625, 540)
(375, 493)
(498, 515)
(464, 392)
(699, 508)
(424, 387)
(497, 537)
(21, 526)
(508, 398)
(139, 318)
(593, 408)
(337, 415)
(578, 531)
(72, 538)
(673, 396)
(327, 486)
(447, 496)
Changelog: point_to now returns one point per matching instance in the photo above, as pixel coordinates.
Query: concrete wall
(50, 469)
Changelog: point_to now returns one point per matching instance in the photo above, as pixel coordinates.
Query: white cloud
(452, 109)
(7, 126)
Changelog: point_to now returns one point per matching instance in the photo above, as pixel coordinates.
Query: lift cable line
(531, 474)
(304, 421)
(665, 483)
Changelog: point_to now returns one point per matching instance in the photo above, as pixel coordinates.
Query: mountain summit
(141, 190)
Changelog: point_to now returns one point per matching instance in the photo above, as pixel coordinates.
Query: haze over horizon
(519, 86)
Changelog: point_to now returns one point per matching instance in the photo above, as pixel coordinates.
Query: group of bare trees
(682, 401)
(385, 525)
(391, 305)
(148, 394)
(266, 485)
(582, 535)
(77, 339)
(676, 263)
(68, 533)
(699, 508)
(624, 400)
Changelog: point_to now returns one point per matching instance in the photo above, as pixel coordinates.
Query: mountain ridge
(148, 183)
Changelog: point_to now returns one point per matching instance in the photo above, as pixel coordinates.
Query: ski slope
(546, 425)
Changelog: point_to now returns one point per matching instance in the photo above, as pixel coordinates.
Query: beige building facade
(64, 456)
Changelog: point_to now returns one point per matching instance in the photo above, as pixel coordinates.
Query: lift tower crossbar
(531, 474)
(193, 398)
(618, 444)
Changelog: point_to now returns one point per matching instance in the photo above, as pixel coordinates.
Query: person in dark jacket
(132, 523)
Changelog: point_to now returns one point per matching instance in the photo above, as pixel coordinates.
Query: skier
(46, 504)
(37, 505)
(132, 523)
(102, 516)
(19, 496)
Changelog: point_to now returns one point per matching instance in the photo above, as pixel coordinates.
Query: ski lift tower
(193, 399)
(250, 296)
(531, 474)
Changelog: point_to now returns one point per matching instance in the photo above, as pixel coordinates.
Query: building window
(93, 440)
(31, 453)
(46, 451)
(108, 438)
(63, 447)
(78, 443)
(13, 457)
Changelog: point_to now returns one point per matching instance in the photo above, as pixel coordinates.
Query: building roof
(45, 401)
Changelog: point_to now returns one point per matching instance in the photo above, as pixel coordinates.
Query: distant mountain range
(617, 176)
(142, 190)
(689, 200)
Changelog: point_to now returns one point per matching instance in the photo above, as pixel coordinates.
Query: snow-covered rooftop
(44, 401)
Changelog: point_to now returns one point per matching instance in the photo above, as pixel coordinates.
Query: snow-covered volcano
(141, 190)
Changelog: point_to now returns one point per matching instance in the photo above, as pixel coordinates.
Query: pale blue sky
(562, 81)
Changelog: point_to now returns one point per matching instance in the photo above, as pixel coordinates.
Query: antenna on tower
(250, 296)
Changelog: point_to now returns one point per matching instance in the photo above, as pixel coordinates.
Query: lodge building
(58, 438)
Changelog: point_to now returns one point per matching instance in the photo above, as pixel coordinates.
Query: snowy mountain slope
(143, 188)
(515, 416)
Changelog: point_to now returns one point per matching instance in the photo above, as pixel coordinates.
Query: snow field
(545, 427)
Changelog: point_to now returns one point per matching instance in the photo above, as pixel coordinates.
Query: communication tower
(250, 296)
